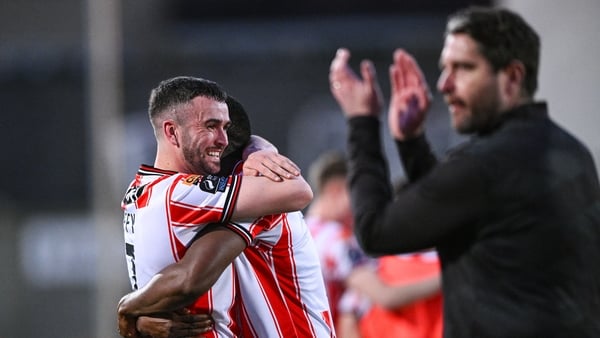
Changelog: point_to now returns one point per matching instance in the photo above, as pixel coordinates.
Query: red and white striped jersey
(280, 282)
(274, 289)
(163, 212)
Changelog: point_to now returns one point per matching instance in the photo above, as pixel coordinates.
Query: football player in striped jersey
(184, 226)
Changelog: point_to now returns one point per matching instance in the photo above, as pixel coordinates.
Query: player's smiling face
(204, 135)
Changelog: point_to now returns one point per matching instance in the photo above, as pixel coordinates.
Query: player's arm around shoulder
(180, 284)
(271, 184)
(259, 196)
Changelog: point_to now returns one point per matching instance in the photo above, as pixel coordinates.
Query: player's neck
(167, 161)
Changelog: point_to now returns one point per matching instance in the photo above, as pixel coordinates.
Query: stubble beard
(482, 113)
(199, 163)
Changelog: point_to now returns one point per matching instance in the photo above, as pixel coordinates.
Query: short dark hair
(238, 134)
(503, 36)
(240, 130)
(181, 90)
(329, 165)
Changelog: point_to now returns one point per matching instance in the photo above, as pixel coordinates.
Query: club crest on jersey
(212, 184)
(192, 179)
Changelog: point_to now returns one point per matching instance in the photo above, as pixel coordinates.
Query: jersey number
(128, 226)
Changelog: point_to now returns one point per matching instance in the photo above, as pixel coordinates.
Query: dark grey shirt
(514, 214)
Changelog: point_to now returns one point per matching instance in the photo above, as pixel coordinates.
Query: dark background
(273, 56)
(64, 169)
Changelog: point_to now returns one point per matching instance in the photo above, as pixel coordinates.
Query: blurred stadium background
(74, 82)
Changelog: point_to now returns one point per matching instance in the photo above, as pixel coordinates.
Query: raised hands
(356, 96)
(410, 97)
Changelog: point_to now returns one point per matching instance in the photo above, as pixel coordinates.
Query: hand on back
(270, 164)
(181, 324)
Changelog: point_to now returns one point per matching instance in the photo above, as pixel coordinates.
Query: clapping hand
(356, 96)
(410, 97)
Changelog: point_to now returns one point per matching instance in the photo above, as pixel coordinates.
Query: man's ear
(170, 132)
(515, 78)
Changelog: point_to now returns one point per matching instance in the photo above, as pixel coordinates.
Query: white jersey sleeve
(163, 213)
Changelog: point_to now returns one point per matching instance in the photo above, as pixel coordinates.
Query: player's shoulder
(207, 183)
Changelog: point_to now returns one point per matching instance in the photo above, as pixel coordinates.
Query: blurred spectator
(329, 219)
(403, 298)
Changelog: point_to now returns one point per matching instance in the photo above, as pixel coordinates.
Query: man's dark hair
(238, 134)
(503, 37)
(181, 90)
(330, 164)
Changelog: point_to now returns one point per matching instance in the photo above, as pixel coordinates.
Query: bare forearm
(393, 297)
(260, 196)
(165, 292)
(180, 284)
